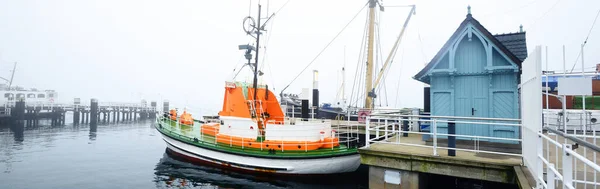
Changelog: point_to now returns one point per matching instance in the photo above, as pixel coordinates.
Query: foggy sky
(185, 50)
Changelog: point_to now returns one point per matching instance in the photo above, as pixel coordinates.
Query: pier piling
(152, 112)
(18, 112)
(94, 115)
(75, 115)
(166, 106)
(117, 116)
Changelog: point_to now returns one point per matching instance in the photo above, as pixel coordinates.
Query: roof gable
(516, 41)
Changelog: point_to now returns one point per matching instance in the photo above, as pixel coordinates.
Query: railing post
(394, 129)
(434, 129)
(539, 153)
(367, 135)
(451, 138)
(385, 122)
(405, 126)
(550, 176)
(377, 129)
(305, 146)
(567, 167)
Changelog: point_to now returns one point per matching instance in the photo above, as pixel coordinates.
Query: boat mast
(344, 80)
(388, 60)
(370, 86)
(12, 76)
(369, 93)
(255, 82)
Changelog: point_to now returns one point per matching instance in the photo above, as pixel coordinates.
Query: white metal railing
(574, 164)
(386, 127)
(563, 150)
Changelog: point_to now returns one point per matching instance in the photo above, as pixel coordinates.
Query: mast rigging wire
(328, 44)
(360, 60)
(586, 40)
(399, 77)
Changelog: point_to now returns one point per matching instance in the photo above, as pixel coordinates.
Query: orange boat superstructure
(261, 123)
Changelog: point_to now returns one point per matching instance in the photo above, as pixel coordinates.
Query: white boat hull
(325, 165)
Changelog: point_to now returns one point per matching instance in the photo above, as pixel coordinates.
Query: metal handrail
(446, 117)
(376, 124)
(575, 139)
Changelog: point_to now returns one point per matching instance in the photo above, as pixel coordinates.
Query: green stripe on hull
(173, 130)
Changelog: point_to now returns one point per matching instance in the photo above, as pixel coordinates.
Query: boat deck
(191, 135)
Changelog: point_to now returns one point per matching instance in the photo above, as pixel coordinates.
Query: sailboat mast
(369, 94)
(255, 82)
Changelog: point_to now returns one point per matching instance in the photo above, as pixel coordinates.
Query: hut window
(41, 96)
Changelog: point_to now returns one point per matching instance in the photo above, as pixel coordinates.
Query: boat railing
(576, 120)
(346, 138)
(470, 131)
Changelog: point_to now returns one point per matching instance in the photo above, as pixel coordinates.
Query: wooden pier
(19, 113)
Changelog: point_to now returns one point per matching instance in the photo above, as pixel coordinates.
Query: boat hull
(321, 165)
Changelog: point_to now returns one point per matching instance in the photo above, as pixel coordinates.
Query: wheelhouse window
(20, 95)
(51, 95)
(41, 96)
(8, 95)
(30, 95)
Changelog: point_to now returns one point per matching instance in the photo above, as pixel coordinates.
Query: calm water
(128, 155)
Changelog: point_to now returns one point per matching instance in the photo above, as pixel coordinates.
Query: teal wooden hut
(476, 74)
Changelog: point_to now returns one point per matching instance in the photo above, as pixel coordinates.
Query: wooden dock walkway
(20, 112)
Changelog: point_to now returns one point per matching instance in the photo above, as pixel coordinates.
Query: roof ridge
(511, 33)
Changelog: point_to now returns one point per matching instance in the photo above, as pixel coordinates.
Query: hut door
(471, 101)
(480, 91)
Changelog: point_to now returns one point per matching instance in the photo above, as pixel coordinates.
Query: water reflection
(17, 131)
(141, 161)
(92, 135)
(171, 171)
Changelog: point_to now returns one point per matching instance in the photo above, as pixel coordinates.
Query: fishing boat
(252, 133)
